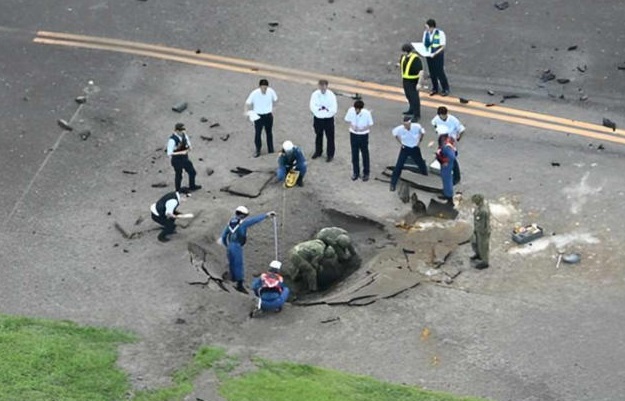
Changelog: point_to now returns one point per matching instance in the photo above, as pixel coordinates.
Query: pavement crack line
(19, 202)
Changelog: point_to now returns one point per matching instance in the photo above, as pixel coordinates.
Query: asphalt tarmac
(521, 330)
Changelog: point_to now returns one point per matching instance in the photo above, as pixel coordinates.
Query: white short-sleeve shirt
(409, 137)
(360, 120)
(452, 123)
(262, 103)
(323, 105)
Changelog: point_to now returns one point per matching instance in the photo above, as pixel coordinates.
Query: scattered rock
(563, 80)
(159, 149)
(463, 100)
(555, 164)
(583, 98)
(547, 76)
(225, 137)
(139, 220)
(440, 253)
(330, 320)
(129, 172)
(600, 147)
(490, 104)
(180, 107)
(533, 46)
(125, 250)
(122, 231)
(369, 10)
(621, 66)
(209, 171)
(571, 48)
(180, 321)
(506, 97)
(161, 184)
(203, 120)
(491, 92)
(84, 135)
(404, 192)
(214, 125)
(81, 99)
(582, 68)
(206, 137)
(198, 51)
(274, 24)
(502, 5)
(64, 124)
(561, 96)
(609, 123)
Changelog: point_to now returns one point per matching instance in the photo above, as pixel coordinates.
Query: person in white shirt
(261, 102)
(409, 135)
(360, 122)
(323, 106)
(435, 41)
(455, 131)
(164, 213)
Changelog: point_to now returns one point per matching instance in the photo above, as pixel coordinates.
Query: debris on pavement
(84, 135)
(64, 124)
(161, 184)
(555, 164)
(463, 100)
(330, 320)
(571, 48)
(369, 10)
(547, 76)
(572, 258)
(621, 66)
(209, 171)
(203, 120)
(206, 137)
(583, 98)
(582, 68)
(225, 137)
(81, 99)
(491, 92)
(502, 5)
(180, 107)
(563, 80)
(214, 125)
(609, 123)
(131, 172)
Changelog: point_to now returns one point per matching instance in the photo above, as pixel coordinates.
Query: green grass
(49, 361)
(42, 360)
(292, 382)
(204, 359)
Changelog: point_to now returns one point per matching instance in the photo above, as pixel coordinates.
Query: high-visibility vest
(406, 63)
(436, 41)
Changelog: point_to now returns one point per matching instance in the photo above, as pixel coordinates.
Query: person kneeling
(291, 158)
(270, 288)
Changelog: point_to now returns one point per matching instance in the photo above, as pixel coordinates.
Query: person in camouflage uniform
(481, 231)
(339, 240)
(306, 259)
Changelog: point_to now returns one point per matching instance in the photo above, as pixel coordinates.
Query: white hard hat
(287, 146)
(276, 264)
(242, 210)
(442, 129)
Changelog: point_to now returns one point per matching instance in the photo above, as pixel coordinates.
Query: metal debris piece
(180, 107)
(571, 48)
(555, 164)
(609, 123)
(81, 99)
(129, 172)
(502, 5)
(64, 124)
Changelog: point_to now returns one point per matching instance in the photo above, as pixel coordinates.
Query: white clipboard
(421, 49)
(253, 116)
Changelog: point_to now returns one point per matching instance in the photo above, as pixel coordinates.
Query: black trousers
(265, 121)
(360, 145)
(321, 126)
(169, 225)
(404, 153)
(436, 65)
(180, 163)
(412, 94)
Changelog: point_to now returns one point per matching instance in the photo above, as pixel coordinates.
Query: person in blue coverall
(234, 237)
(270, 288)
(291, 157)
(446, 156)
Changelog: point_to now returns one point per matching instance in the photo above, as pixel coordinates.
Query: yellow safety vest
(406, 63)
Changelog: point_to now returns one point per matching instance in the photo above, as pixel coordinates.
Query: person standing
(360, 123)
(411, 67)
(261, 102)
(234, 237)
(480, 241)
(435, 41)
(409, 135)
(270, 289)
(323, 106)
(164, 213)
(455, 129)
(178, 147)
(446, 156)
(291, 157)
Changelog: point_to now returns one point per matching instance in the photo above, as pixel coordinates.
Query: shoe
(474, 257)
(195, 188)
(270, 152)
(300, 183)
(407, 112)
(354, 177)
(329, 159)
(432, 93)
(163, 237)
(392, 188)
(445, 93)
(256, 154)
(278, 310)
(241, 288)
(314, 156)
(365, 178)
(482, 266)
